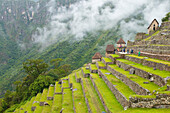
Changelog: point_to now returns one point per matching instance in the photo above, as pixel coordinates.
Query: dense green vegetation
(166, 18)
(38, 77)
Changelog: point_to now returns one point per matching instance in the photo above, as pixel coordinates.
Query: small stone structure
(121, 43)
(96, 57)
(154, 26)
(109, 50)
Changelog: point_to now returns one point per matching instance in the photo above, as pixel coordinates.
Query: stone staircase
(112, 85)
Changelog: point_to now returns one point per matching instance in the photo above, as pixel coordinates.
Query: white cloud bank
(89, 16)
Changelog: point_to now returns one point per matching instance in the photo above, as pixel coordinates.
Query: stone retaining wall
(85, 75)
(100, 96)
(156, 79)
(119, 96)
(107, 63)
(78, 80)
(100, 67)
(132, 85)
(113, 58)
(161, 101)
(144, 62)
(86, 100)
(93, 71)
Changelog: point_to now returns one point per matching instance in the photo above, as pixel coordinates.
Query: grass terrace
(151, 36)
(110, 100)
(50, 91)
(44, 95)
(57, 87)
(151, 59)
(57, 103)
(78, 74)
(101, 64)
(93, 66)
(151, 86)
(160, 73)
(121, 87)
(47, 109)
(38, 109)
(37, 98)
(92, 96)
(86, 71)
(107, 59)
(24, 107)
(114, 55)
(67, 103)
(79, 101)
(144, 96)
(28, 107)
(65, 84)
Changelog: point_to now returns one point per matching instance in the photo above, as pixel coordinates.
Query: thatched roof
(97, 56)
(110, 48)
(152, 22)
(121, 41)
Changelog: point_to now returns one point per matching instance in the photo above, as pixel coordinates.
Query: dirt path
(93, 96)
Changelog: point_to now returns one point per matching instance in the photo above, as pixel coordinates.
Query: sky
(94, 15)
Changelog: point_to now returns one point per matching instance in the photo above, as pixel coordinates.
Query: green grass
(65, 84)
(93, 66)
(107, 59)
(121, 87)
(92, 96)
(101, 64)
(139, 80)
(44, 95)
(110, 100)
(47, 109)
(50, 91)
(79, 101)
(151, 36)
(86, 71)
(38, 109)
(78, 74)
(57, 87)
(25, 107)
(114, 55)
(144, 96)
(158, 72)
(37, 98)
(67, 103)
(57, 103)
(29, 105)
(151, 59)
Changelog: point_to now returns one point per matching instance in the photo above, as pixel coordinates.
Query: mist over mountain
(95, 15)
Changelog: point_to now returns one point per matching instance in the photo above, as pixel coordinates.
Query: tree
(35, 67)
(166, 17)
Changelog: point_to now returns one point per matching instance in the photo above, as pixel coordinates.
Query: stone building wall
(144, 62)
(161, 101)
(119, 96)
(132, 85)
(156, 79)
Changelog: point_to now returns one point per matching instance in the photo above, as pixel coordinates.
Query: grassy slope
(160, 73)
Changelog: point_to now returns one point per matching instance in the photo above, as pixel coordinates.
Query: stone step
(121, 91)
(67, 101)
(85, 71)
(150, 62)
(50, 92)
(138, 84)
(100, 65)
(48, 102)
(157, 76)
(109, 101)
(93, 68)
(58, 89)
(107, 61)
(77, 95)
(36, 102)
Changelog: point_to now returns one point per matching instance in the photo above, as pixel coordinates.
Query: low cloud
(94, 15)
